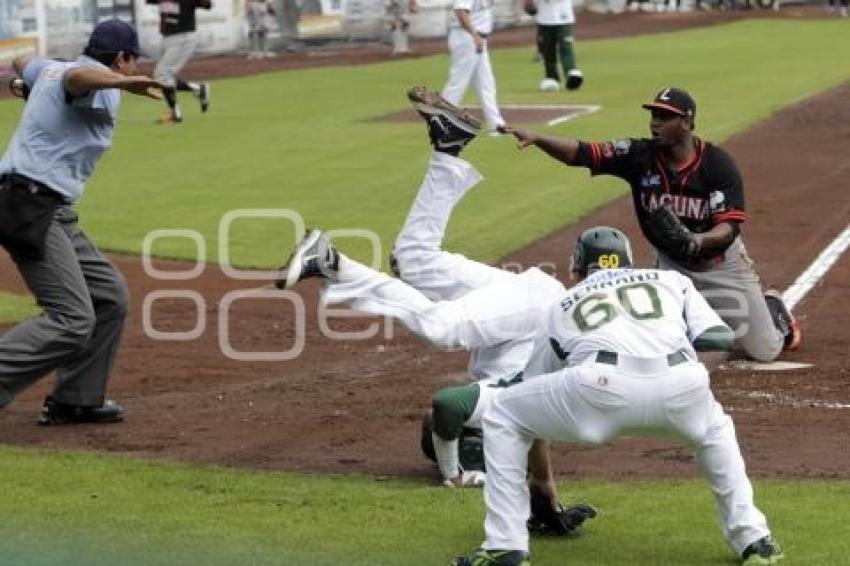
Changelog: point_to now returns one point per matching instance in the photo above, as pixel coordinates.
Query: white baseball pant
(595, 402)
(469, 66)
(497, 313)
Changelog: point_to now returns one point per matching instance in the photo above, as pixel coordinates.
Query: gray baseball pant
(177, 49)
(84, 299)
(733, 289)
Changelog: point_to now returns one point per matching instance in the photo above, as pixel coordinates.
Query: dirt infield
(355, 406)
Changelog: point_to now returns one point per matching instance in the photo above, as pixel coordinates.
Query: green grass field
(308, 141)
(88, 509)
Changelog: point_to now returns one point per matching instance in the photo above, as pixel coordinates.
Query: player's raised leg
(482, 318)
(418, 256)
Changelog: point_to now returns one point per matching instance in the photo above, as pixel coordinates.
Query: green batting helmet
(601, 247)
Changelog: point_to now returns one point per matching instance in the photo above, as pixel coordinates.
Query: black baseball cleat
(575, 78)
(763, 551)
(784, 321)
(204, 96)
(483, 557)
(314, 256)
(57, 413)
(449, 127)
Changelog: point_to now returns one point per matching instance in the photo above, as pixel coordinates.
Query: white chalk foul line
(566, 117)
(576, 110)
(815, 272)
(576, 107)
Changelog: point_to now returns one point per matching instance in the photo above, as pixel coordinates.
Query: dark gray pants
(84, 299)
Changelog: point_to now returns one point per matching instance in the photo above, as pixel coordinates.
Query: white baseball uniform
(468, 65)
(631, 368)
(448, 299)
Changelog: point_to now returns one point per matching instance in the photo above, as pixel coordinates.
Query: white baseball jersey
(554, 12)
(641, 317)
(480, 14)
(638, 312)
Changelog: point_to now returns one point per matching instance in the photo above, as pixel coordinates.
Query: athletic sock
(170, 95)
(187, 86)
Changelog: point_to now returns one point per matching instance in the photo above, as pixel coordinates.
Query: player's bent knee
(75, 329)
(763, 351)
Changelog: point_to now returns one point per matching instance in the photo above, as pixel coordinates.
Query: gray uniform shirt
(59, 141)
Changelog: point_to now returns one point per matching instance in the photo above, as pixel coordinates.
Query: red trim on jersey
(731, 216)
(697, 155)
(693, 165)
(595, 155)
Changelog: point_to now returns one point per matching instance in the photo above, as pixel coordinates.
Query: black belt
(33, 186)
(610, 358)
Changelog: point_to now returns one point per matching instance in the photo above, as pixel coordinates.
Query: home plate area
(549, 114)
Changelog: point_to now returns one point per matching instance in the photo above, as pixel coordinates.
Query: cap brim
(665, 107)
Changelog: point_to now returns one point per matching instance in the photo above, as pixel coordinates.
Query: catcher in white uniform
(470, 25)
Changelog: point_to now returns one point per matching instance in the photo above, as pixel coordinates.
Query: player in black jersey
(177, 26)
(701, 184)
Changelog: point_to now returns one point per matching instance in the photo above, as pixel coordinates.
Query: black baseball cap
(675, 100)
(114, 35)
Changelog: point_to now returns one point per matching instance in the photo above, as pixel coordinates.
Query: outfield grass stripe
(77, 508)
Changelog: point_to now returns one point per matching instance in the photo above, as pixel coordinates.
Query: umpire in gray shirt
(66, 126)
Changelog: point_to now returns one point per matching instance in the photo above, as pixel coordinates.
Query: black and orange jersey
(702, 193)
(178, 16)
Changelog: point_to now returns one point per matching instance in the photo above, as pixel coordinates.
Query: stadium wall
(60, 28)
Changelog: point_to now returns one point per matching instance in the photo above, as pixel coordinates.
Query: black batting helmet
(601, 247)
